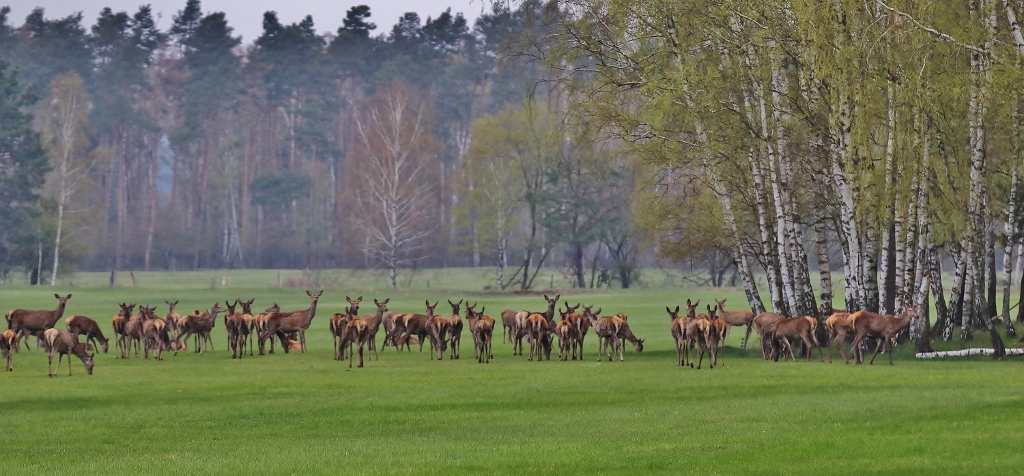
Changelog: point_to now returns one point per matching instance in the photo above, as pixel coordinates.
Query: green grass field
(300, 414)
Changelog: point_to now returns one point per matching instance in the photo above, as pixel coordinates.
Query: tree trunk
(956, 299)
(152, 203)
(824, 268)
(1009, 231)
(888, 299)
(990, 275)
(935, 275)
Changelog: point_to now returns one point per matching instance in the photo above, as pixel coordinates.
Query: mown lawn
(296, 414)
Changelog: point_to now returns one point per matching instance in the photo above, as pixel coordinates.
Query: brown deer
(229, 327)
(436, 328)
(281, 323)
(883, 327)
(119, 321)
(800, 326)
(134, 332)
(566, 336)
(154, 330)
(838, 325)
(77, 325)
(482, 328)
(581, 324)
(357, 332)
(736, 318)
(455, 330)
(60, 343)
(7, 347)
(764, 324)
(199, 324)
(538, 330)
(701, 333)
(337, 324)
(249, 321)
(625, 334)
(171, 318)
(373, 322)
(35, 322)
(260, 322)
(412, 324)
(678, 329)
(607, 330)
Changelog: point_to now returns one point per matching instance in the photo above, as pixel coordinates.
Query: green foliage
(280, 189)
(23, 165)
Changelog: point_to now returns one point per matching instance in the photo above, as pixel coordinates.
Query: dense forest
(185, 149)
(777, 139)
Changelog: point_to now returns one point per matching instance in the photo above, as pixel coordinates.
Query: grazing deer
(171, 318)
(800, 326)
(35, 322)
(60, 343)
(120, 334)
(625, 334)
(764, 324)
(883, 327)
(838, 325)
(83, 325)
(700, 333)
(7, 347)
(281, 323)
(436, 328)
(736, 318)
(678, 330)
(454, 330)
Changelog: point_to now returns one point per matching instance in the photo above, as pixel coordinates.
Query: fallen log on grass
(965, 352)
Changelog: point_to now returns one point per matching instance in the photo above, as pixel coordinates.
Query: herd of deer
(354, 333)
(774, 331)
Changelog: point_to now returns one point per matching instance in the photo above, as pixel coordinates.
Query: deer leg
(373, 346)
(878, 347)
(746, 337)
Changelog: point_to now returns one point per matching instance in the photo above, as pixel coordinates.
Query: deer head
(354, 304)
(672, 315)
(455, 306)
(246, 305)
(469, 309)
(231, 307)
(711, 313)
(430, 309)
(170, 305)
(552, 302)
(691, 309)
(571, 309)
(721, 304)
(382, 307)
(274, 308)
(639, 345)
(216, 309)
(564, 314)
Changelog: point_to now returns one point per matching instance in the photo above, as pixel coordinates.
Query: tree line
(128, 147)
(887, 129)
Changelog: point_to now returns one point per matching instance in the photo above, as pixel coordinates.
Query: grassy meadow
(306, 413)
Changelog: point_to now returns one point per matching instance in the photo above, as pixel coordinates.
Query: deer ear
(677, 309)
(308, 294)
(387, 300)
(668, 309)
(696, 303)
(559, 295)
(56, 295)
(360, 299)
(545, 297)
(688, 304)
(321, 293)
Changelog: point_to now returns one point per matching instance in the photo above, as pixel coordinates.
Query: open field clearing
(295, 413)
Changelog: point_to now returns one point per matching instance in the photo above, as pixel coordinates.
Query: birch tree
(62, 120)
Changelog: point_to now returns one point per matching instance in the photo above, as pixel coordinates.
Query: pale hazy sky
(246, 16)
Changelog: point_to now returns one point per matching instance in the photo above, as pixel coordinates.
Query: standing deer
(373, 322)
(83, 325)
(581, 323)
(883, 327)
(409, 324)
(678, 330)
(281, 323)
(60, 343)
(249, 321)
(566, 338)
(721, 328)
(607, 330)
(436, 328)
(154, 331)
(838, 325)
(337, 324)
(800, 326)
(700, 333)
(536, 327)
(454, 330)
(35, 322)
(482, 328)
(356, 333)
(120, 334)
(260, 322)
(7, 347)
(736, 318)
(134, 332)
(764, 324)
(199, 324)
(171, 318)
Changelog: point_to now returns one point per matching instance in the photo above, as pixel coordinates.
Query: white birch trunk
(1008, 236)
(890, 194)
(824, 268)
